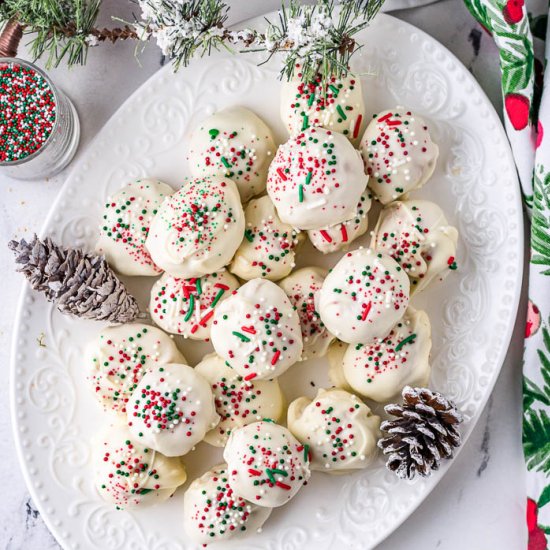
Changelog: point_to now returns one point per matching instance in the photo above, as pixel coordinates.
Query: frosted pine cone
(424, 432)
(78, 283)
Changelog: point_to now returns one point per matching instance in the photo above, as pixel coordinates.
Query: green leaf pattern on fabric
(527, 116)
(540, 221)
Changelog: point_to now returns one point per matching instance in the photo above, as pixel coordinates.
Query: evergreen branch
(309, 36)
(315, 38)
(61, 28)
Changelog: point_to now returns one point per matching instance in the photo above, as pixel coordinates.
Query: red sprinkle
(326, 236)
(366, 309)
(250, 376)
(344, 233)
(204, 320)
(281, 174)
(275, 357)
(357, 126)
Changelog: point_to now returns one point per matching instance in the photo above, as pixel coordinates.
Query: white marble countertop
(479, 505)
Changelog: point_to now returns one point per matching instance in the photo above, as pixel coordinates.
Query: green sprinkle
(341, 112)
(308, 177)
(217, 297)
(241, 336)
(305, 122)
(225, 162)
(191, 307)
(405, 341)
(301, 193)
(198, 284)
(213, 133)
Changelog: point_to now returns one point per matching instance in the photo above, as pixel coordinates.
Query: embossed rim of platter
(423, 487)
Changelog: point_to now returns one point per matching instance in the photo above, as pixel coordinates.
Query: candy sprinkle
(27, 111)
(405, 341)
(326, 236)
(357, 126)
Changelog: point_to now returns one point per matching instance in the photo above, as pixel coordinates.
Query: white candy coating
(213, 512)
(268, 247)
(418, 237)
(129, 474)
(340, 236)
(119, 356)
(335, 356)
(333, 103)
(379, 371)
(398, 152)
(234, 143)
(267, 465)
(339, 429)
(363, 297)
(301, 287)
(198, 229)
(171, 409)
(125, 223)
(186, 306)
(238, 402)
(316, 179)
(257, 331)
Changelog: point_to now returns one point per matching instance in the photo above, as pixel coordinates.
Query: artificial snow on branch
(319, 37)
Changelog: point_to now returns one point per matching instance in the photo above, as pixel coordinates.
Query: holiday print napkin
(522, 35)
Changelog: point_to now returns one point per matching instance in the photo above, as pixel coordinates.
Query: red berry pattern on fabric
(513, 11)
(517, 109)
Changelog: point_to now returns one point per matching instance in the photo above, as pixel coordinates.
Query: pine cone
(424, 432)
(78, 283)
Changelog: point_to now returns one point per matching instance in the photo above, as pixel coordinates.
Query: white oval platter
(472, 311)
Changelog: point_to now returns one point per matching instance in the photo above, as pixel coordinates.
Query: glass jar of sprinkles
(39, 127)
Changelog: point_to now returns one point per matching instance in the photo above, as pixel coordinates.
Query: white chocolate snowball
(267, 465)
(237, 401)
(418, 237)
(171, 409)
(118, 357)
(125, 223)
(332, 103)
(257, 331)
(398, 152)
(213, 512)
(128, 474)
(316, 179)
(268, 247)
(335, 356)
(301, 287)
(338, 429)
(234, 143)
(198, 229)
(363, 297)
(381, 370)
(340, 236)
(186, 306)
